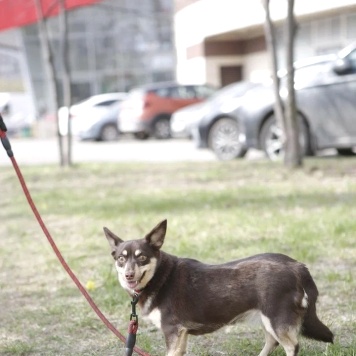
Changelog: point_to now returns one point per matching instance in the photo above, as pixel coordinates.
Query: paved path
(29, 151)
(42, 151)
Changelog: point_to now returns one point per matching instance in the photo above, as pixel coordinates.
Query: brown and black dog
(183, 296)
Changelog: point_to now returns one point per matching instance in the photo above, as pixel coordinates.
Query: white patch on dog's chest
(155, 317)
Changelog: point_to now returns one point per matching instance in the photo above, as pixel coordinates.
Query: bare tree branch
(272, 50)
(66, 77)
(293, 152)
(50, 70)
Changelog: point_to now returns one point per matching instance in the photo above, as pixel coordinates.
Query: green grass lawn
(216, 212)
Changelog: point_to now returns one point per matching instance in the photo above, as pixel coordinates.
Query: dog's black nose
(130, 274)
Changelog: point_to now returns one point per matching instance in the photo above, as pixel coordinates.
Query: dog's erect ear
(156, 237)
(114, 240)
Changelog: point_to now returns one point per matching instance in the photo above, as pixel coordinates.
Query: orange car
(147, 110)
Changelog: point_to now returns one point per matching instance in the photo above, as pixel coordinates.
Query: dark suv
(147, 110)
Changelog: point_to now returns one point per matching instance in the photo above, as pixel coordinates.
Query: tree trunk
(66, 77)
(293, 153)
(50, 71)
(272, 50)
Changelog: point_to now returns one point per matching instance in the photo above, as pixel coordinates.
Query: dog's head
(136, 260)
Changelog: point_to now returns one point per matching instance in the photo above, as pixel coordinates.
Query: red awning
(18, 13)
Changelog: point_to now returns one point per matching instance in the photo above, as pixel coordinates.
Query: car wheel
(162, 129)
(224, 140)
(109, 133)
(271, 139)
(345, 151)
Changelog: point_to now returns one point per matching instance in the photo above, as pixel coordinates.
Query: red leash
(6, 143)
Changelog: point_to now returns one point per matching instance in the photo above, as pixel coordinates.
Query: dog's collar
(137, 292)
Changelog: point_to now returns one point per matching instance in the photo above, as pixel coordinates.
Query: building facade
(117, 44)
(113, 45)
(223, 41)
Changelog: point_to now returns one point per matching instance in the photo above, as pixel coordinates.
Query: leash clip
(133, 307)
(133, 326)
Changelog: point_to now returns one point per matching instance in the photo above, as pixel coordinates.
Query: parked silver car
(183, 119)
(212, 124)
(326, 106)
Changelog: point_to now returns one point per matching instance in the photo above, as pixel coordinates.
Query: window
(203, 91)
(79, 55)
(352, 60)
(186, 92)
(165, 92)
(351, 27)
(106, 102)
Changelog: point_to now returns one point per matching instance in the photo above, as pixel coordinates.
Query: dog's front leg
(176, 342)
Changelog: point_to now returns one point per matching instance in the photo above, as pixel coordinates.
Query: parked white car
(87, 113)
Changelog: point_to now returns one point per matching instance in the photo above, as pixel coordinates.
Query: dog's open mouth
(133, 284)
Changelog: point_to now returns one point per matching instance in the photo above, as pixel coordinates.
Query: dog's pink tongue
(132, 284)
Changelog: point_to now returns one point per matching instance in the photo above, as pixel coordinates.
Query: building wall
(324, 26)
(11, 58)
(114, 45)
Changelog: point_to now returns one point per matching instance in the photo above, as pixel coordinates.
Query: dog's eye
(121, 259)
(142, 258)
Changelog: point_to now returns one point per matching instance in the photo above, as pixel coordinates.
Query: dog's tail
(312, 327)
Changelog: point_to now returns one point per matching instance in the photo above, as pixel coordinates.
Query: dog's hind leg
(177, 344)
(270, 345)
(286, 337)
(291, 349)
